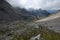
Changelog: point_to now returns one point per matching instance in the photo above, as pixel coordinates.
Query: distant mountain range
(39, 12)
(52, 11)
(9, 13)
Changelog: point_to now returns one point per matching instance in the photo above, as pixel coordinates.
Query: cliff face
(7, 13)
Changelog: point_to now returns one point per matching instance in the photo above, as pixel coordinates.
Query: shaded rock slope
(7, 13)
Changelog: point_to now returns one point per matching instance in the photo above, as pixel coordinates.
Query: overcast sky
(36, 4)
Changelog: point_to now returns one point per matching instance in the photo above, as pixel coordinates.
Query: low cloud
(36, 4)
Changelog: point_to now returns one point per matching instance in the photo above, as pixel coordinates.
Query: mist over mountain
(9, 13)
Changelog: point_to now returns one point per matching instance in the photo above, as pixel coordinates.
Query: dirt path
(49, 18)
(52, 22)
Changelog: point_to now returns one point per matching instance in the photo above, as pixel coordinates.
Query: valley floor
(44, 29)
(27, 31)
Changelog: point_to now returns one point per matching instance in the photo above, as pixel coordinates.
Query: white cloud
(36, 4)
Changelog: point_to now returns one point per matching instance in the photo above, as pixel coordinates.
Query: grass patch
(46, 34)
(50, 35)
(2, 32)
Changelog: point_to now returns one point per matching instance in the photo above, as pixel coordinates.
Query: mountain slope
(8, 13)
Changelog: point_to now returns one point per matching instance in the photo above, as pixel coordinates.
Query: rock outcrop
(7, 13)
